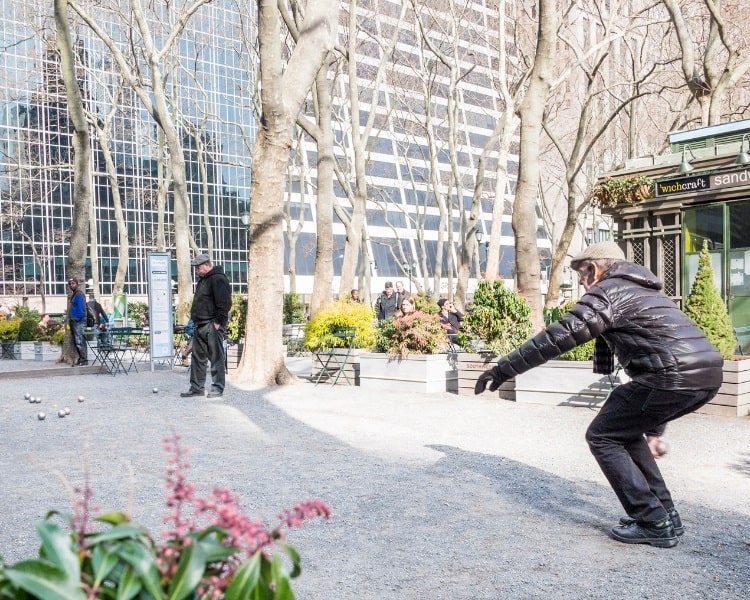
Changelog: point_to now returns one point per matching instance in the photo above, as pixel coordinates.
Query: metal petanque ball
(27, 395)
(80, 398)
(31, 399)
(38, 400)
(155, 390)
(61, 413)
(41, 416)
(66, 410)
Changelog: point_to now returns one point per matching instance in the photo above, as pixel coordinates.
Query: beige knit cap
(607, 249)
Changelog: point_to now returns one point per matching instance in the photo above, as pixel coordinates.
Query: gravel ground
(433, 496)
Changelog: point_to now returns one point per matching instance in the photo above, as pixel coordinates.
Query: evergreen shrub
(499, 317)
(237, 318)
(294, 311)
(705, 306)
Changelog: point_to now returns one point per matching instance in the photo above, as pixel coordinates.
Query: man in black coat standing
(673, 371)
(210, 313)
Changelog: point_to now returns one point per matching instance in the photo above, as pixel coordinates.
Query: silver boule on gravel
(27, 395)
(66, 410)
(61, 413)
(155, 390)
(81, 398)
(41, 416)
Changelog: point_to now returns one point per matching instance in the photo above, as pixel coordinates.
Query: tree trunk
(82, 188)
(528, 270)
(284, 86)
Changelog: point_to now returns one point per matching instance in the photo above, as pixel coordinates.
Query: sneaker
(673, 515)
(214, 394)
(191, 393)
(660, 533)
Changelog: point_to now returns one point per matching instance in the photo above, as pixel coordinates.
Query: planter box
(566, 383)
(351, 367)
(234, 353)
(46, 351)
(733, 399)
(471, 366)
(24, 351)
(423, 373)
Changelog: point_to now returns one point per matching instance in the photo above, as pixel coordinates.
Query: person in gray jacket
(673, 370)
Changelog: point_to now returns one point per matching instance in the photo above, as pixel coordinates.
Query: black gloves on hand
(493, 377)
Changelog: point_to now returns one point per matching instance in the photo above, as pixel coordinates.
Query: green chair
(333, 360)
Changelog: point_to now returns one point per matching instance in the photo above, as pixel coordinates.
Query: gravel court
(433, 496)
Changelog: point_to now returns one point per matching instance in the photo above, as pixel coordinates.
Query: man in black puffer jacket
(210, 314)
(673, 370)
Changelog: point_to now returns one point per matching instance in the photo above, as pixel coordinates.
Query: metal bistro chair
(114, 354)
(333, 360)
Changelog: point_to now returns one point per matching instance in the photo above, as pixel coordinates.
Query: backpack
(90, 316)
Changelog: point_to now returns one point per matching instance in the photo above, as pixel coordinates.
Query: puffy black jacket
(655, 342)
(212, 299)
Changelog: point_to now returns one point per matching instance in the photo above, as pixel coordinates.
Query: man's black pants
(208, 345)
(616, 439)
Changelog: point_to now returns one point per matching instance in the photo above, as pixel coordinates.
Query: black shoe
(673, 515)
(660, 534)
(83, 363)
(191, 393)
(214, 394)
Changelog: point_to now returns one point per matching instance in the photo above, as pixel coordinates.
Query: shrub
(9, 329)
(582, 352)
(705, 306)
(415, 333)
(237, 317)
(342, 313)
(58, 337)
(498, 316)
(294, 311)
(137, 312)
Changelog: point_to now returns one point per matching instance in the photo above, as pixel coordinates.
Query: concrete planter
(351, 367)
(733, 399)
(24, 351)
(46, 351)
(566, 383)
(423, 373)
(471, 366)
(234, 354)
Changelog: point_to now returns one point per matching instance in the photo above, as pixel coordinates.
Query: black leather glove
(493, 377)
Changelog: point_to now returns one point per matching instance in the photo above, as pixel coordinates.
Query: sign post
(160, 334)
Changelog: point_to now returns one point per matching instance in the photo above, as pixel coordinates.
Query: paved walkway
(433, 496)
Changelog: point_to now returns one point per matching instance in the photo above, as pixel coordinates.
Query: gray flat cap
(199, 260)
(595, 251)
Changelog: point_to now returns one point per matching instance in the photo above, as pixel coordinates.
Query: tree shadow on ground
(742, 466)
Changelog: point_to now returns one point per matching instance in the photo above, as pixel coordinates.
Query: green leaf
(59, 550)
(190, 571)
(118, 532)
(294, 556)
(143, 561)
(113, 518)
(282, 587)
(129, 585)
(245, 579)
(103, 560)
(43, 579)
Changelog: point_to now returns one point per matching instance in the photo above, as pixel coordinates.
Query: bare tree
(82, 188)
(283, 93)
(715, 53)
(152, 91)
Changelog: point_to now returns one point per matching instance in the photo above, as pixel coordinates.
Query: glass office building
(210, 85)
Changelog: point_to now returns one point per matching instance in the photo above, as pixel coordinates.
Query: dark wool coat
(655, 342)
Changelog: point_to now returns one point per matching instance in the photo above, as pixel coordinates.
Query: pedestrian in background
(387, 303)
(77, 320)
(673, 370)
(210, 314)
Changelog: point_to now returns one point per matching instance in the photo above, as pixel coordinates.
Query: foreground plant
(210, 550)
